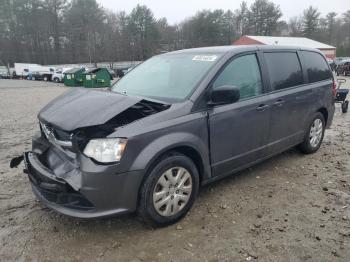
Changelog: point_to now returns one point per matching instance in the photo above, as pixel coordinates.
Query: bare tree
(55, 10)
(295, 26)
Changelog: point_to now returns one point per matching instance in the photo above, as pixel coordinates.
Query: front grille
(62, 135)
(48, 127)
(57, 133)
(56, 136)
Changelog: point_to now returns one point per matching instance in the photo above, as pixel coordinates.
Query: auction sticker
(205, 58)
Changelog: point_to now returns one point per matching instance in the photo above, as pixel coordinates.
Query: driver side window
(244, 73)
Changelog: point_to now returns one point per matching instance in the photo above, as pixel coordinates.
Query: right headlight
(105, 150)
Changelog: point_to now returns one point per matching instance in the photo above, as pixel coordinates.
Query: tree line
(80, 31)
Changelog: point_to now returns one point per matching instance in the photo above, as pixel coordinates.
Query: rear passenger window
(244, 73)
(316, 66)
(284, 70)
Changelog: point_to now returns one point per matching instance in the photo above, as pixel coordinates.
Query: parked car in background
(175, 122)
(332, 64)
(47, 73)
(58, 76)
(343, 68)
(35, 76)
(120, 72)
(112, 73)
(4, 74)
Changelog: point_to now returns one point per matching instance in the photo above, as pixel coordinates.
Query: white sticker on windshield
(205, 58)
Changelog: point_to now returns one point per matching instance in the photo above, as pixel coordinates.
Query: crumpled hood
(83, 107)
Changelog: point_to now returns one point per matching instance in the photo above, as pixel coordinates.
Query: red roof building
(328, 50)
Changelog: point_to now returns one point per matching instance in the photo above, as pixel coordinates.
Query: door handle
(262, 107)
(278, 103)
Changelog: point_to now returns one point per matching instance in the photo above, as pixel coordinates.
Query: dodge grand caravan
(177, 121)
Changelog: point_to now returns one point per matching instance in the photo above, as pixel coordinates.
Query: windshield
(167, 77)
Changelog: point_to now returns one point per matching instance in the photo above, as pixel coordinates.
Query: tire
(166, 214)
(56, 80)
(45, 78)
(309, 146)
(344, 106)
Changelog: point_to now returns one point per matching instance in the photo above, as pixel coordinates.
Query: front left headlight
(105, 150)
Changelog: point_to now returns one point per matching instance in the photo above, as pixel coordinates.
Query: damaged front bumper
(79, 187)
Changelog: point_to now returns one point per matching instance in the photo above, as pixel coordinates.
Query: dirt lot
(290, 208)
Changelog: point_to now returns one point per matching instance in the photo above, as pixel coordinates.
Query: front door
(239, 131)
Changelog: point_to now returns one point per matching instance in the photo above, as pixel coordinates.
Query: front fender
(169, 142)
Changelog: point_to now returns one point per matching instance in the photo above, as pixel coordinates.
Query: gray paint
(227, 138)
(81, 107)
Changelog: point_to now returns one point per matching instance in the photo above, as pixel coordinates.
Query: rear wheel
(169, 190)
(344, 106)
(314, 135)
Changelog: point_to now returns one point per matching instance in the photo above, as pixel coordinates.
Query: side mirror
(224, 95)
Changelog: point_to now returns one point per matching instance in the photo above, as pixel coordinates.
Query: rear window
(284, 69)
(316, 66)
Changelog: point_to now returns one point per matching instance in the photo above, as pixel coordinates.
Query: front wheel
(169, 190)
(314, 135)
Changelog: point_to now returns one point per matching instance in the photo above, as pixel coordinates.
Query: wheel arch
(324, 112)
(193, 146)
(187, 150)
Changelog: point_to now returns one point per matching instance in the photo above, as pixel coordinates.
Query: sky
(177, 10)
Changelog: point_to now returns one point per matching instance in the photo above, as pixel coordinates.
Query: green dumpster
(97, 77)
(74, 77)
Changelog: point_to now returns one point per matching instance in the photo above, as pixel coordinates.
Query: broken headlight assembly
(105, 150)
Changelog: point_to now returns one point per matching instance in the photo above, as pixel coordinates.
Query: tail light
(334, 89)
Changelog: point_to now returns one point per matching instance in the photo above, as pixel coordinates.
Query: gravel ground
(290, 208)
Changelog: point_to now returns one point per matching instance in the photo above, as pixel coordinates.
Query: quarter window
(284, 69)
(316, 66)
(244, 73)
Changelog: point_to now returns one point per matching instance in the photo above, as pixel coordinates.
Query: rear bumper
(101, 193)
